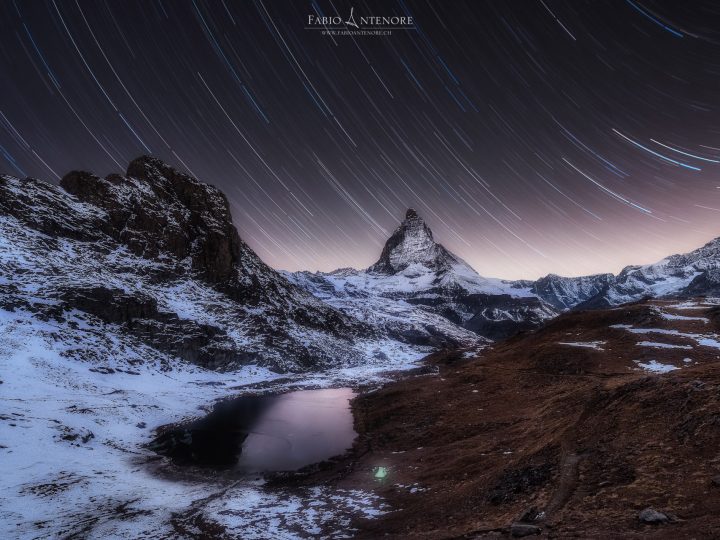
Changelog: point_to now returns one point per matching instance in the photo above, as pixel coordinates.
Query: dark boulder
(652, 517)
(519, 530)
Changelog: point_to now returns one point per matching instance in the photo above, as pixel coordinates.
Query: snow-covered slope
(395, 316)
(416, 281)
(130, 302)
(79, 400)
(155, 251)
(691, 274)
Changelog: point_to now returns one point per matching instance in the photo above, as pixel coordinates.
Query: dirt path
(566, 485)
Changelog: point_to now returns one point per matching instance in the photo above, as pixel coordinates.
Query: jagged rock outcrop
(155, 254)
(155, 209)
(413, 243)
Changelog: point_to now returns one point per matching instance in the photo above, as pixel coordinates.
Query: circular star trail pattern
(534, 137)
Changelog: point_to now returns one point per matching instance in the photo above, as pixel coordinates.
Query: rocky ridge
(418, 277)
(155, 254)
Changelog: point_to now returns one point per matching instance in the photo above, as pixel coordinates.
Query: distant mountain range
(415, 274)
(153, 255)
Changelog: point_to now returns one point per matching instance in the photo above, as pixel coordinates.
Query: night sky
(533, 136)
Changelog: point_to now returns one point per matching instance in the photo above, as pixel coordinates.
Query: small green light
(380, 473)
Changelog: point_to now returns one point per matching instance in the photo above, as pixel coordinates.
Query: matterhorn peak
(411, 214)
(412, 243)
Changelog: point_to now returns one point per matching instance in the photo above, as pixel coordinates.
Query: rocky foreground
(602, 424)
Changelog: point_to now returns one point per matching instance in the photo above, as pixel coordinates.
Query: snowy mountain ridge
(155, 252)
(696, 273)
(414, 270)
(417, 277)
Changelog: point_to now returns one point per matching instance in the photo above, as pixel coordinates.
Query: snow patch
(659, 345)
(674, 317)
(704, 340)
(653, 366)
(597, 345)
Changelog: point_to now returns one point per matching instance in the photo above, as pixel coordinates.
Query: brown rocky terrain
(570, 431)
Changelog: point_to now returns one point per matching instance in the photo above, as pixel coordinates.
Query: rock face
(705, 284)
(202, 344)
(155, 209)
(412, 243)
(565, 293)
(154, 253)
(418, 278)
(499, 316)
(653, 517)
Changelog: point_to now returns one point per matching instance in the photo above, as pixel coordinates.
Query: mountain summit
(412, 243)
(424, 293)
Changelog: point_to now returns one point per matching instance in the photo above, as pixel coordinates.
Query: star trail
(569, 137)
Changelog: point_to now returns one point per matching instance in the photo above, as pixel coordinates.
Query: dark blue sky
(568, 137)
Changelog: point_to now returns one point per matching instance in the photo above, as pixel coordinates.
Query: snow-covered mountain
(412, 243)
(154, 256)
(417, 277)
(567, 292)
(416, 281)
(130, 302)
(687, 275)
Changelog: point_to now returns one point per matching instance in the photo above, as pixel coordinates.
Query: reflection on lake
(299, 428)
(265, 433)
